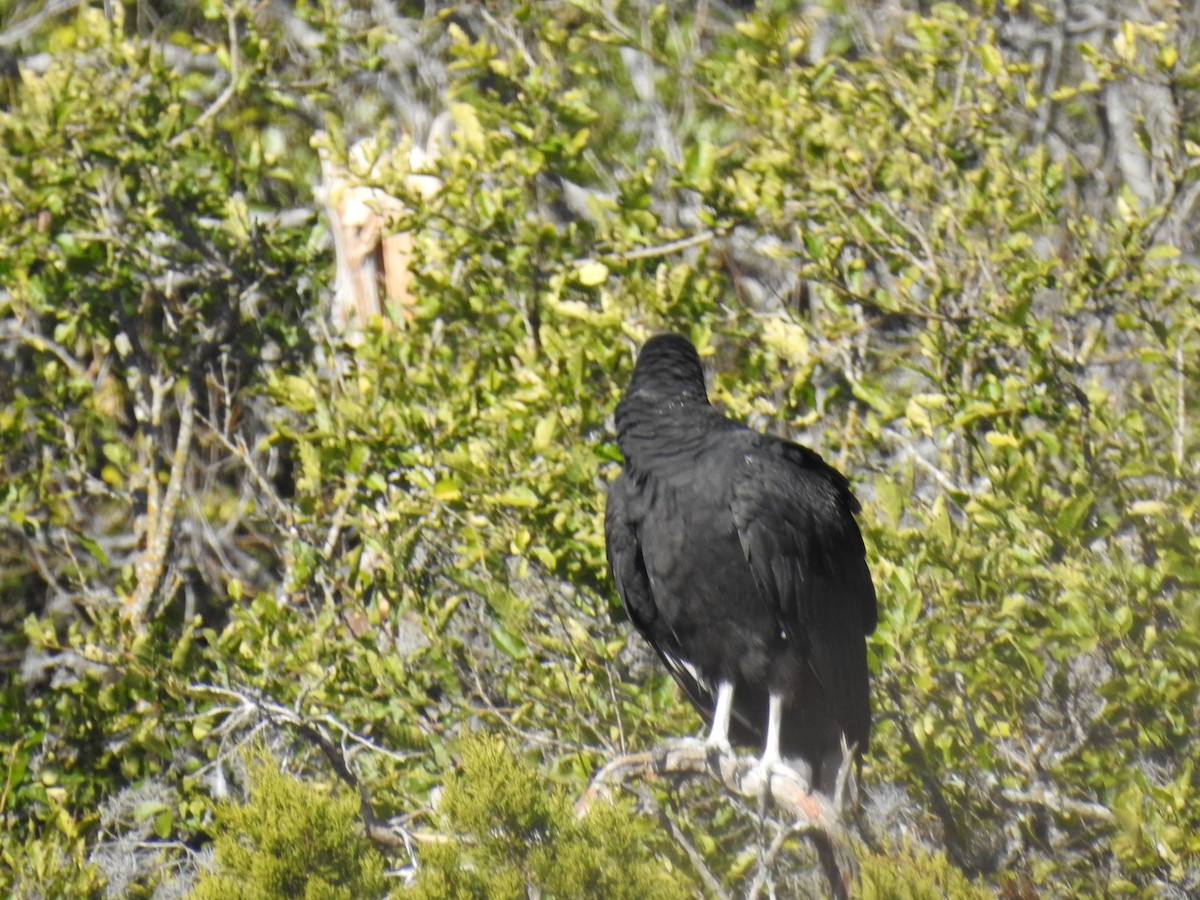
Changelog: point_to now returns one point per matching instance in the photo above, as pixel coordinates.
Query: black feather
(738, 557)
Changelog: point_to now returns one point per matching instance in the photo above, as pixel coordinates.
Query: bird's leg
(718, 736)
(771, 758)
(771, 762)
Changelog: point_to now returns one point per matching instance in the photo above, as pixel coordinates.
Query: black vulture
(737, 556)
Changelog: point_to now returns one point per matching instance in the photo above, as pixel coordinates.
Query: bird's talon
(764, 770)
(721, 748)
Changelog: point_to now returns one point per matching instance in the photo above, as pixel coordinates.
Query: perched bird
(737, 556)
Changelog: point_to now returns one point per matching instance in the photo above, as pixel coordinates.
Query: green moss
(913, 873)
(289, 841)
(516, 835)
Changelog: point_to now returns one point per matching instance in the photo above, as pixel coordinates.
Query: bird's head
(659, 409)
(668, 371)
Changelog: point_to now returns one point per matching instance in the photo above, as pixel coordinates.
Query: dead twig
(248, 711)
(161, 518)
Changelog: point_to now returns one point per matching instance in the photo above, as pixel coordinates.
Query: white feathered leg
(771, 757)
(771, 763)
(718, 735)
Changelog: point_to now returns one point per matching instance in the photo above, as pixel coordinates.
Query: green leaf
(990, 58)
(1073, 512)
(298, 393)
(889, 499)
(164, 824)
(592, 273)
(509, 643)
(447, 490)
(1162, 251)
(94, 548)
(148, 808)
(519, 496)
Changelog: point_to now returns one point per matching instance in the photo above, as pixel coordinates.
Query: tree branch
(160, 520)
(814, 814)
(18, 31)
(317, 730)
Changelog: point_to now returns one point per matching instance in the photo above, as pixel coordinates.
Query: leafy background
(289, 612)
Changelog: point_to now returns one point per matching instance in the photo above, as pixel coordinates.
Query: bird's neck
(662, 428)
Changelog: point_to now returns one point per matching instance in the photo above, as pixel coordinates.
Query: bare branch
(27, 26)
(161, 519)
(685, 243)
(913, 454)
(814, 814)
(252, 712)
(1057, 803)
(41, 343)
(710, 880)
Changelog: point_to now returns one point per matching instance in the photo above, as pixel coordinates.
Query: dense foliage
(951, 250)
(288, 841)
(522, 837)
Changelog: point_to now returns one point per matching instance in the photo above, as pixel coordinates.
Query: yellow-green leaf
(991, 59)
(446, 490)
(592, 273)
(518, 496)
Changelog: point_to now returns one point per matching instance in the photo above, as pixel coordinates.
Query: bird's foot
(758, 778)
(720, 746)
(717, 749)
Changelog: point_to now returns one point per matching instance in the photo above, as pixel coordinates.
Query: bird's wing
(795, 520)
(625, 556)
(633, 585)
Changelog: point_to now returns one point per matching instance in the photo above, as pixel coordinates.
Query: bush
(893, 243)
(289, 840)
(512, 837)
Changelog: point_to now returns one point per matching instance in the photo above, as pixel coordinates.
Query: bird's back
(738, 557)
(699, 577)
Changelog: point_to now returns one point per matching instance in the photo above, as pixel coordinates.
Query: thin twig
(282, 715)
(911, 452)
(1180, 406)
(23, 29)
(768, 859)
(42, 343)
(252, 712)
(226, 95)
(693, 855)
(338, 519)
(676, 246)
(240, 451)
(1057, 803)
